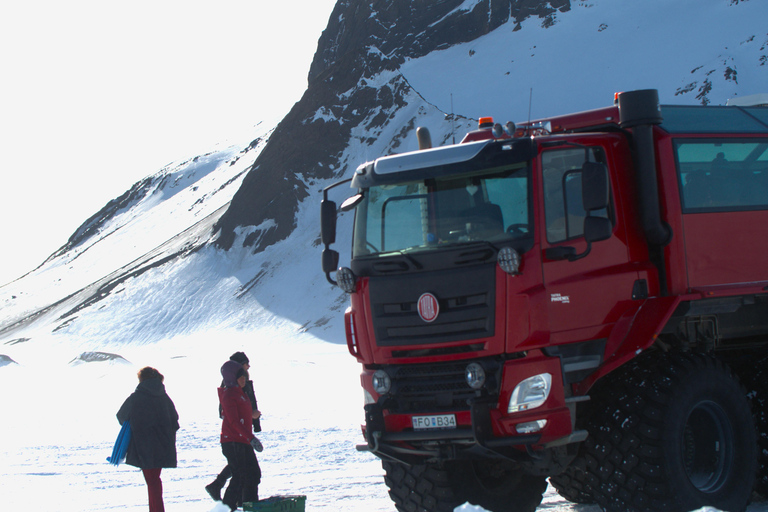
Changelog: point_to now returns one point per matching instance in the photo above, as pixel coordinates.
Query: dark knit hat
(229, 372)
(239, 357)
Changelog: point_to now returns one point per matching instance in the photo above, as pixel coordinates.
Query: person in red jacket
(214, 488)
(237, 440)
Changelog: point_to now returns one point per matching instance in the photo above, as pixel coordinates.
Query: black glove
(256, 444)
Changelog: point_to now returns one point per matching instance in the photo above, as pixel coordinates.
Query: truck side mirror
(594, 186)
(327, 223)
(330, 261)
(597, 229)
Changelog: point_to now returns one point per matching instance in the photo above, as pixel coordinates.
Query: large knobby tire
(493, 485)
(672, 433)
(572, 483)
(755, 378)
(420, 488)
(497, 486)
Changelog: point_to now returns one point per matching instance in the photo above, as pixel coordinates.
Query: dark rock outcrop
(6, 360)
(362, 40)
(97, 357)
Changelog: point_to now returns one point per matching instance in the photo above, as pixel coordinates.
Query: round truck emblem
(428, 307)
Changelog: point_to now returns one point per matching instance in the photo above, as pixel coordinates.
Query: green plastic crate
(277, 504)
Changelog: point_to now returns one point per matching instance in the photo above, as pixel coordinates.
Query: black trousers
(246, 474)
(225, 475)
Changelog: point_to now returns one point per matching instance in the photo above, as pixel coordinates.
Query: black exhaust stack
(424, 138)
(639, 111)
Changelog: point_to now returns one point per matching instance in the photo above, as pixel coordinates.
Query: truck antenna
(530, 102)
(453, 129)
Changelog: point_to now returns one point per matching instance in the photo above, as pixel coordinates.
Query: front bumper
(484, 429)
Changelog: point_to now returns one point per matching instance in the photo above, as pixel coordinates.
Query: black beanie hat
(229, 372)
(239, 357)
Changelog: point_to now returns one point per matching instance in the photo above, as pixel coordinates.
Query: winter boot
(214, 490)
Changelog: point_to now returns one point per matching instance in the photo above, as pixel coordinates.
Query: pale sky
(96, 95)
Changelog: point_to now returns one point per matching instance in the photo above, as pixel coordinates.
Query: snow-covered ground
(59, 425)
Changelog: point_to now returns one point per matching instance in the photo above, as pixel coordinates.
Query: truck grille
(428, 388)
(432, 388)
(465, 296)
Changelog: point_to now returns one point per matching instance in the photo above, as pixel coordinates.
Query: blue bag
(121, 445)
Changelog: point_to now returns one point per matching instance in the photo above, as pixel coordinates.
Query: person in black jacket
(154, 422)
(215, 487)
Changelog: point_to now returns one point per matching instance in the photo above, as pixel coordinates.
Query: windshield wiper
(411, 259)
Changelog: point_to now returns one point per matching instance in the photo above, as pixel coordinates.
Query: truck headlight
(531, 393)
(381, 382)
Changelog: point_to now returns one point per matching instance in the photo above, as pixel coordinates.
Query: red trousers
(154, 489)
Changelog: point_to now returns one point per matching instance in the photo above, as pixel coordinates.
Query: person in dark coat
(154, 422)
(215, 487)
(237, 441)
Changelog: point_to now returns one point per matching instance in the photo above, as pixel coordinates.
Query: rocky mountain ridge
(362, 40)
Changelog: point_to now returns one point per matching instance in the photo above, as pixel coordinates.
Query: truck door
(584, 296)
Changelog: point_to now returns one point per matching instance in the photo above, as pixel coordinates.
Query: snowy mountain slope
(183, 285)
(168, 214)
(692, 51)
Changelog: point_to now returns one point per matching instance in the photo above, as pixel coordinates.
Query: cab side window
(563, 209)
(722, 174)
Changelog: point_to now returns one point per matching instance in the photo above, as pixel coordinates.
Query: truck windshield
(423, 215)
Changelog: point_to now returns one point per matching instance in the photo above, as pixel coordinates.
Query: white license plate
(434, 422)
